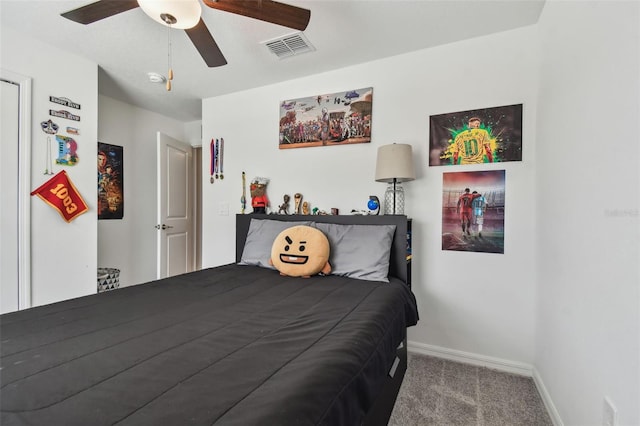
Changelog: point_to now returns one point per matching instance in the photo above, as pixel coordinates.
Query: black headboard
(398, 262)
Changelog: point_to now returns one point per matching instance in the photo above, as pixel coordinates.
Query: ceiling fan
(163, 11)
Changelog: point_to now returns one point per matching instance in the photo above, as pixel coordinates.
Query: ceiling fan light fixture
(186, 12)
(154, 77)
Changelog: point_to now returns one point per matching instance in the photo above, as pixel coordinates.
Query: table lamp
(394, 165)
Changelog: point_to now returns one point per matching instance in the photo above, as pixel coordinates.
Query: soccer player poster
(489, 135)
(473, 205)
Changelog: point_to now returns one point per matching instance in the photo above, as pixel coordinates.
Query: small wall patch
(64, 102)
(64, 114)
(49, 127)
(67, 151)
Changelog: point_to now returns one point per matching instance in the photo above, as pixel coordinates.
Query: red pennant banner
(60, 193)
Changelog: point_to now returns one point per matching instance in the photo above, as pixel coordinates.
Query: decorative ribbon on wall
(216, 167)
(212, 150)
(221, 155)
(243, 199)
(50, 128)
(217, 157)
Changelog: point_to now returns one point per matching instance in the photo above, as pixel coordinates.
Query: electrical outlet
(609, 413)
(223, 209)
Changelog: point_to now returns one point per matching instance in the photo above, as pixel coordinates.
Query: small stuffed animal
(259, 200)
(301, 251)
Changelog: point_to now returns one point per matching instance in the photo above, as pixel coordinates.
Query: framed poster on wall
(487, 135)
(110, 181)
(326, 120)
(473, 205)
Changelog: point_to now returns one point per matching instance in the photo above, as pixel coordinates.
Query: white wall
(472, 302)
(588, 191)
(130, 244)
(193, 133)
(63, 255)
(563, 297)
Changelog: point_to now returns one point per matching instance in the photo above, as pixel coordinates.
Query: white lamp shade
(186, 12)
(395, 161)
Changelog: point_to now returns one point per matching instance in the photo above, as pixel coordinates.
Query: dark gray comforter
(233, 345)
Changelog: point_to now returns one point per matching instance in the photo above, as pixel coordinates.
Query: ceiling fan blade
(265, 10)
(206, 45)
(99, 10)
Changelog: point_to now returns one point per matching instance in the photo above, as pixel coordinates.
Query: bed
(237, 344)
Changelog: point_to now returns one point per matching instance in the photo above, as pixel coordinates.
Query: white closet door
(9, 135)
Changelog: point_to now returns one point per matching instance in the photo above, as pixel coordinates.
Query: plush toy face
(301, 251)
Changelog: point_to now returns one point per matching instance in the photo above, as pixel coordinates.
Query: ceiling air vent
(289, 45)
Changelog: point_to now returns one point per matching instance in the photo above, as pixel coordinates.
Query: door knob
(163, 226)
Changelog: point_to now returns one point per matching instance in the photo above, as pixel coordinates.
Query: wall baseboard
(546, 398)
(507, 366)
(499, 364)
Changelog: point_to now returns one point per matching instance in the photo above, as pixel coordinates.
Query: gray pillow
(262, 232)
(359, 251)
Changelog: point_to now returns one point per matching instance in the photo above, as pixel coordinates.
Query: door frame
(24, 185)
(197, 201)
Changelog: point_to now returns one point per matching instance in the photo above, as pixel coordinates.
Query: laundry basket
(108, 279)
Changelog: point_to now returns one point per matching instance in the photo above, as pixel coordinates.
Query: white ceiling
(344, 32)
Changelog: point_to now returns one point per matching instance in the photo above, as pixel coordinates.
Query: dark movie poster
(110, 182)
(473, 205)
(489, 135)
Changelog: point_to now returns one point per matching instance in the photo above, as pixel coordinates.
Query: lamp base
(394, 199)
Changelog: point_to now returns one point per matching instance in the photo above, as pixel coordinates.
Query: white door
(175, 226)
(15, 181)
(9, 95)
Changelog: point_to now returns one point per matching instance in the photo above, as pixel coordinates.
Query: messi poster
(473, 205)
(489, 135)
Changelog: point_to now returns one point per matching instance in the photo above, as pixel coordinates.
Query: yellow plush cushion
(301, 251)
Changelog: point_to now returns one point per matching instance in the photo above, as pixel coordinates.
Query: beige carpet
(440, 392)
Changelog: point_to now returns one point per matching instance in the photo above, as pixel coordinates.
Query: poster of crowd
(326, 120)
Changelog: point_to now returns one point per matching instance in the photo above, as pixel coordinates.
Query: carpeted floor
(441, 393)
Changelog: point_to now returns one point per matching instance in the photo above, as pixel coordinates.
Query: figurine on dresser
(259, 200)
(284, 207)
